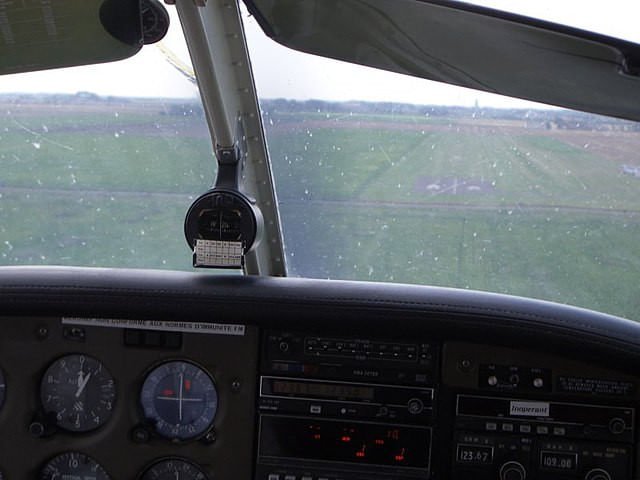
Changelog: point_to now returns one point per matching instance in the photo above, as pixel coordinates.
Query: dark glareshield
(465, 45)
(50, 34)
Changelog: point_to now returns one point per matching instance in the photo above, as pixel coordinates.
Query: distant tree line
(541, 118)
(550, 119)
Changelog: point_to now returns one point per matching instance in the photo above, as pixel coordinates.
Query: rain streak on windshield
(462, 189)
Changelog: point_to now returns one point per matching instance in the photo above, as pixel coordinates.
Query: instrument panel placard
(161, 325)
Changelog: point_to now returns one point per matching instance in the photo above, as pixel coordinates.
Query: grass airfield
(482, 203)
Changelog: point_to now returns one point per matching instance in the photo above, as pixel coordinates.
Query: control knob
(617, 426)
(512, 471)
(597, 474)
(415, 406)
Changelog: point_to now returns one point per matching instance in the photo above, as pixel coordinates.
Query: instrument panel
(208, 401)
(103, 399)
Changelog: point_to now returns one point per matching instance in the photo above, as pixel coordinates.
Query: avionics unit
(344, 408)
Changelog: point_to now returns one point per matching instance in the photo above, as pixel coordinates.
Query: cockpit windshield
(99, 163)
(390, 178)
(379, 176)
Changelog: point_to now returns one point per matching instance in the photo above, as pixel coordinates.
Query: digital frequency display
(322, 390)
(352, 442)
(475, 454)
(559, 461)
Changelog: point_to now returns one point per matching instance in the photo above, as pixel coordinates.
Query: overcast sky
(618, 18)
(282, 73)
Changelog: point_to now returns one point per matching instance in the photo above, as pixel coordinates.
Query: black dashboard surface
(491, 330)
(278, 301)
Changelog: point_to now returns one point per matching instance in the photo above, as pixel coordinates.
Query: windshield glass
(615, 18)
(99, 164)
(389, 178)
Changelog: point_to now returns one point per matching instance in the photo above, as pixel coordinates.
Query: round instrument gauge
(80, 391)
(3, 389)
(174, 469)
(180, 400)
(73, 465)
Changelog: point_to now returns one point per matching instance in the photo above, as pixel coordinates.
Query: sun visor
(465, 45)
(39, 35)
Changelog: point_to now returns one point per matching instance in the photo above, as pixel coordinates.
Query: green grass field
(551, 215)
(103, 188)
(479, 204)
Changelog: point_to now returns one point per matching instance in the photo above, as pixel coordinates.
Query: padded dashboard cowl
(352, 307)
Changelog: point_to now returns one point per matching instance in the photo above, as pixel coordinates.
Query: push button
(153, 339)
(132, 337)
(507, 427)
(273, 476)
